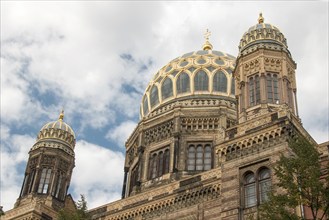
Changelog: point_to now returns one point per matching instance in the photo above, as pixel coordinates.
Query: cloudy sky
(94, 59)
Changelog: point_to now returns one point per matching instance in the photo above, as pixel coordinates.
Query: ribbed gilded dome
(57, 130)
(263, 33)
(59, 124)
(200, 73)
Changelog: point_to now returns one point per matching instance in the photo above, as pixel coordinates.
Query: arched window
(220, 82)
(154, 97)
(199, 157)
(30, 181)
(166, 161)
(145, 105)
(207, 157)
(23, 190)
(133, 178)
(233, 86)
(272, 88)
(191, 158)
(153, 166)
(183, 83)
(201, 81)
(264, 179)
(159, 163)
(58, 185)
(166, 89)
(256, 187)
(254, 91)
(250, 190)
(44, 181)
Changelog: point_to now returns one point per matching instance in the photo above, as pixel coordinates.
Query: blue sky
(95, 59)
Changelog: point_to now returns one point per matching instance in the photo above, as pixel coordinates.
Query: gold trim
(260, 18)
(207, 45)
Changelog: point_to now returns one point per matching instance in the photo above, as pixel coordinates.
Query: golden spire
(207, 45)
(260, 18)
(61, 115)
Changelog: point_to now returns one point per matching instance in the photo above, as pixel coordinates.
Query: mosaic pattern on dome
(194, 73)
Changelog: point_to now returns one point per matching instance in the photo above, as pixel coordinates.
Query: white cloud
(98, 173)
(121, 133)
(14, 154)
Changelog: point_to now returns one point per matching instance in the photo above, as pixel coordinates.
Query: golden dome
(263, 33)
(199, 73)
(57, 130)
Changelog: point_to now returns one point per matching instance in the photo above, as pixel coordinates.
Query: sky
(95, 59)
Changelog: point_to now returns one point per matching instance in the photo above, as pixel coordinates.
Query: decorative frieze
(252, 144)
(158, 133)
(192, 103)
(55, 145)
(161, 207)
(197, 124)
(253, 124)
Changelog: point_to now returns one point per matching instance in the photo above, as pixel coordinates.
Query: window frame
(167, 90)
(44, 181)
(183, 84)
(201, 81)
(254, 90)
(159, 166)
(220, 82)
(196, 162)
(272, 88)
(257, 185)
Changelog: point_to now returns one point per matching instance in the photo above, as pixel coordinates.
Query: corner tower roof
(262, 33)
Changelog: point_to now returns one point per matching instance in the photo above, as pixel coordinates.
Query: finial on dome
(260, 18)
(207, 45)
(61, 115)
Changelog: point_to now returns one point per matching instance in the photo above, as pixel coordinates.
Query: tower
(186, 104)
(48, 173)
(265, 72)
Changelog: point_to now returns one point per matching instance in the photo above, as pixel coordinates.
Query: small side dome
(58, 130)
(59, 124)
(263, 33)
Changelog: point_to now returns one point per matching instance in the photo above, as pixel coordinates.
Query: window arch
(166, 89)
(57, 190)
(272, 88)
(201, 81)
(183, 83)
(254, 91)
(233, 86)
(153, 166)
(199, 157)
(166, 160)
(159, 163)
(134, 178)
(154, 97)
(264, 178)
(44, 181)
(145, 105)
(191, 158)
(220, 82)
(250, 190)
(256, 187)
